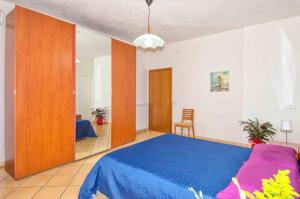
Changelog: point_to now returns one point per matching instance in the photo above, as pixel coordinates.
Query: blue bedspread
(84, 129)
(164, 167)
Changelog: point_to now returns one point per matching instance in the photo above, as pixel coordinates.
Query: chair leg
(193, 131)
(175, 129)
(189, 131)
(181, 130)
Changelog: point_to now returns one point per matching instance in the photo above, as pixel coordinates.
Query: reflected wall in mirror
(93, 93)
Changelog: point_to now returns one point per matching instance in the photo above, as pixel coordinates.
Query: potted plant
(100, 115)
(258, 133)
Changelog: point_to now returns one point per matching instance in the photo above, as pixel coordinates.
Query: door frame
(171, 92)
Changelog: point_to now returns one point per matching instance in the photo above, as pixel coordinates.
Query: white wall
(141, 93)
(102, 82)
(256, 57)
(6, 8)
(84, 87)
(272, 72)
(93, 79)
(216, 113)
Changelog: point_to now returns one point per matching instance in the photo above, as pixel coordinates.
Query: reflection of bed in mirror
(84, 129)
(93, 92)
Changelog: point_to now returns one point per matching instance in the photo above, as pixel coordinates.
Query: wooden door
(160, 100)
(44, 92)
(123, 93)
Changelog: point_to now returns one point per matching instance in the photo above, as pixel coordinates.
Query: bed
(84, 129)
(164, 167)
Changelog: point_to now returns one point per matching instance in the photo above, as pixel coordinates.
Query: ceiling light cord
(149, 12)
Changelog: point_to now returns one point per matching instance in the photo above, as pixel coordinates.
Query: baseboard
(224, 141)
(141, 130)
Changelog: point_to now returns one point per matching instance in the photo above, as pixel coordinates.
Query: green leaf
(255, 130)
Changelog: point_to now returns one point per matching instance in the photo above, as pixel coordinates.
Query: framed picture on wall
(219, 81)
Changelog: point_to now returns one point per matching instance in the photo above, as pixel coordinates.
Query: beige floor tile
(10, 182)
(50, 171)
(68, 170)
(2, 177)
(86, 168)
(37, 180)
(3, 172)
(84, 149)
(78, 157)
(50, 193)
(23, 193)
(77, 163)
(5, 191)
(60, 180)
(98, 150)
(78, 179)
(71, 192)
(82, 155)
(94, 159)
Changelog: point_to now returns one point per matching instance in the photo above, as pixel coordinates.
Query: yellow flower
(278, 187)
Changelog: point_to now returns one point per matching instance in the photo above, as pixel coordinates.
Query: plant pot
(99, 121)
(256, 141)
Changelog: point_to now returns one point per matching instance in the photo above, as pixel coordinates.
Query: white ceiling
(173, 20)
(90, 44)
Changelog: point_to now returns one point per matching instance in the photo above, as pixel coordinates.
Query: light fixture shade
(148, 41)
(286, 125)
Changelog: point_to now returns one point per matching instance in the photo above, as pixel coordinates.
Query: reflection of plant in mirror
(100, 112)
(100, 115)
(278, 187)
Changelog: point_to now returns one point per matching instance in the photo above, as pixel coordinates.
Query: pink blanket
(265, 161)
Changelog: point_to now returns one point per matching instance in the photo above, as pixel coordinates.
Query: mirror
(93, 93)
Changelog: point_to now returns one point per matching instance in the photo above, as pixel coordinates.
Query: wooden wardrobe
(39, 92)
(123, 93)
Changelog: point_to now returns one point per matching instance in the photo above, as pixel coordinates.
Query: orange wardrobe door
(44, 122)
(123, 93)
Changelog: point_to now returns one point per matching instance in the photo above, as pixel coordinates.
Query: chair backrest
(188, 115)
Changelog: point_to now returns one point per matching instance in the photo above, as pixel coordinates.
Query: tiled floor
(60, 183)
(90, 146)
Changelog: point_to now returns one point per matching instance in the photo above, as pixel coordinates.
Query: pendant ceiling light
(149, 40)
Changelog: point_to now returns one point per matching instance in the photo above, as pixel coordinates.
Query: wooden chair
(187, 121)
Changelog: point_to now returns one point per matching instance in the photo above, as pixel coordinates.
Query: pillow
(280, 156)
(277, 149)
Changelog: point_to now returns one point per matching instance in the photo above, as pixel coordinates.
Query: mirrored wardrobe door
(93, 93)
